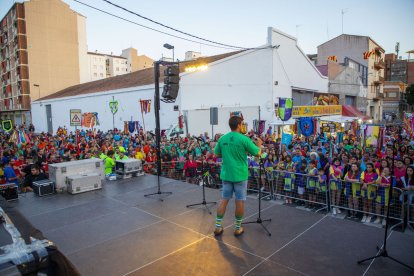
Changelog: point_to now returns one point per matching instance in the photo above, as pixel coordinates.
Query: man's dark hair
(35, 166)
(234, 121)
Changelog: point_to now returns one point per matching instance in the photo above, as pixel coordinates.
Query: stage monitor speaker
(213, 116)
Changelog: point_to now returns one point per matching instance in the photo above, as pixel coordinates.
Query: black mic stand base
(260, 221)
(159, 193)
(384, 253)
(205, 203)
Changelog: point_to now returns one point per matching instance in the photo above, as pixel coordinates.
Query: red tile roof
(134, 79)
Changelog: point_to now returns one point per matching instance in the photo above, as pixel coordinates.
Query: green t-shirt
(233, 148)
(109, 165)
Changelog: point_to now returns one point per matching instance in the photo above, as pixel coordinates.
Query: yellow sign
(312, 111)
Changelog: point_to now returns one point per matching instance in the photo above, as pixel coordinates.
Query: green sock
(238, 222)
(219, 219)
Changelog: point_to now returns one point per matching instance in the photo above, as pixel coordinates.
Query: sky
(242, 23)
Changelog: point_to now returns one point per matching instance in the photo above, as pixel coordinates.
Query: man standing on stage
(233, 148)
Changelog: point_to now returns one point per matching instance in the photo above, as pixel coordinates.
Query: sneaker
(378, 220)
(338, 210)
(286, 201)
(369, 218)
(384, 222)
(334, 211)
(218, 231)
(364, 219)
(238, 232)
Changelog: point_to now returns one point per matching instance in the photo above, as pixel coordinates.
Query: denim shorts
(238, 188)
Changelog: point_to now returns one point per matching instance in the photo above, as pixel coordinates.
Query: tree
(410, 94)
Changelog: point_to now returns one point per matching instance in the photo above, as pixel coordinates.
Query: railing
(365, 203)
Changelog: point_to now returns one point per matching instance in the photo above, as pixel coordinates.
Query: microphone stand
(383, 251)
(259, 219)
(203, 176)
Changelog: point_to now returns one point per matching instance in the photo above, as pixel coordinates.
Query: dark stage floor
(117, 231)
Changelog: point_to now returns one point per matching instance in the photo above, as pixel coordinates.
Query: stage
(118, 231)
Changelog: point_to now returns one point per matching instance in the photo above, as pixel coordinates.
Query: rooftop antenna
(397, 48)
(343, 11)
(297, 27)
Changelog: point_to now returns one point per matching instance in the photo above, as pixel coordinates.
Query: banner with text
(314, 111)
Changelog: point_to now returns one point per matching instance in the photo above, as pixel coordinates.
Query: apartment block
(41, 52)
(365, 51)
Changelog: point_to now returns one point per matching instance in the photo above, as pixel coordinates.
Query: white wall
(241, 80)
(344, 46)
(99, 102)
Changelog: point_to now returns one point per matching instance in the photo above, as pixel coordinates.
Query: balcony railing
(380, 64)
(378, 95)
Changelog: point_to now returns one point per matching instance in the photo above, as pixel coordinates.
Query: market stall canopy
(279, 122)
(338, 119)
(350, 111)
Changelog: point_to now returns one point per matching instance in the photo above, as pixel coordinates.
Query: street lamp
(169, 47)
(38, 87)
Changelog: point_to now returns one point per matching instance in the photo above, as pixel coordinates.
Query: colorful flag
(113, 105)
(285, 108)
(145, 106)
(306, 126)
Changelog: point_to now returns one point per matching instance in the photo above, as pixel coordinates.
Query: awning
(279, 122)
(350, 111)
(338, 119)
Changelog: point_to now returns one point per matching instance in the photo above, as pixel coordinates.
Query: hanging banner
(90, 119)
(131, 126)
(145, 106)
(328, 127)
(371, 135)
(7, 125)
(306, 126)
(286, 138)
(285, 108)
(311, 111)
(113, 106)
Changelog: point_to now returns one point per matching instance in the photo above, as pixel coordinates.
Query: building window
(101, 75)
(94, 67)
(392, 95)
(95, 75)
(117, 69)
(101, 67)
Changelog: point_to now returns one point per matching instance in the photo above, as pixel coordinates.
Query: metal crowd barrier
(371, 201)
(305, 190)
(410, 210)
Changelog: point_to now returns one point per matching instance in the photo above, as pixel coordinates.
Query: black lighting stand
(259, 220)
(203, 171)
(382, 252)
(157, 130)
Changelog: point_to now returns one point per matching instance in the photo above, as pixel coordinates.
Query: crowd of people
(303, 170)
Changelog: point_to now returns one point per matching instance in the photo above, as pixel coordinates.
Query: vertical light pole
(170, 47)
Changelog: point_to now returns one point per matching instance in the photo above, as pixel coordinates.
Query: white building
(101, 66)
(96, 67)
(191, 55)
(251, 78)
(116, 65)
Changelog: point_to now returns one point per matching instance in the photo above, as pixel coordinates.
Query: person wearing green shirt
(109, 163)
(121, 156)
(233, 149)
